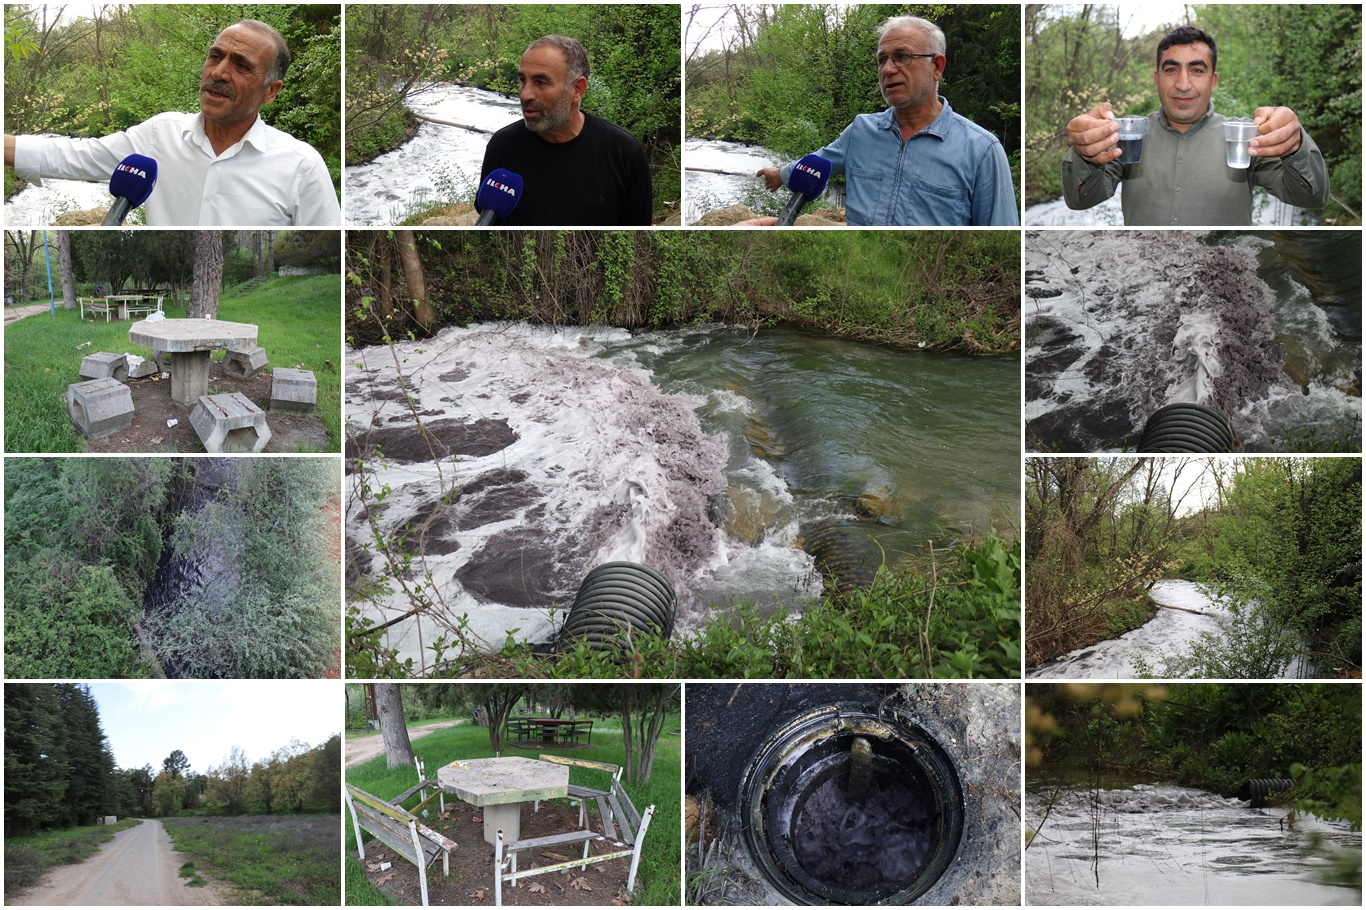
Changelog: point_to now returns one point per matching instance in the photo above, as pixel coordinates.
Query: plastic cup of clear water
(1238, 132)
(1131, 132)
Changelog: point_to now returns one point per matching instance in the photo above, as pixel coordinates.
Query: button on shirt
(1184, 178)
(952, 172)
(269, 178)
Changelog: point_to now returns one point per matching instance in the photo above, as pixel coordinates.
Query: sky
(146, 720)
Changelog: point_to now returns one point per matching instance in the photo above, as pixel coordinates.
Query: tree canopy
(93, 76)
(1307, 57)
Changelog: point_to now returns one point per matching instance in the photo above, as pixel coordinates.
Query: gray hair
(574, 54)
(932, 31)
(280, 65)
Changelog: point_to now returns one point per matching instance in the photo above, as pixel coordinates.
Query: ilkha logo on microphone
(129, 169)
(807, 169)
(500, 186)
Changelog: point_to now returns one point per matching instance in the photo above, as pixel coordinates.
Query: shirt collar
(886, 120)
(1166, 124)
(257, 137)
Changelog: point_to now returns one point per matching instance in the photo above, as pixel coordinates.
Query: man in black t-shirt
(576, 169)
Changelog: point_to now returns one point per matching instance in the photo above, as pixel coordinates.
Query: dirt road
(137, 868)
(367, 747)
(15, 313)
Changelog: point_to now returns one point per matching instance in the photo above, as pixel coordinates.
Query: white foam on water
(1176, 846)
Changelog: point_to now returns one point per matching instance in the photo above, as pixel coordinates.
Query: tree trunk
(384, 276)
(208, 275)
(412, 275)
(270, 252)
(68, 276)
(397, 747)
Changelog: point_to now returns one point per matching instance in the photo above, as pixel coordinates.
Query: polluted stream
(1265, 327)
(738, 465)
(1267, 211)
(439, 163)
(1168, 845)
(1192, 611)
(705, 191)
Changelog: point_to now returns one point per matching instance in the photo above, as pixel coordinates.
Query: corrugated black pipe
(1259, 789)
(616, 599)
(1187, 427)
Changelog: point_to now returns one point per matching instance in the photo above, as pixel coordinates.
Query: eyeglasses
(900, 59)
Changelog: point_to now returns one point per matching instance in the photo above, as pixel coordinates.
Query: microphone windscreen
(500, 192)
(809, 176)
(133, 179)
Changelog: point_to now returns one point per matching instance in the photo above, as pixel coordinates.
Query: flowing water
(1267, 211)
(1192, 611)
(1168, 845)
(439, 162)
(39, 206)
(706, 192)
(1264, 326)
(708, 453)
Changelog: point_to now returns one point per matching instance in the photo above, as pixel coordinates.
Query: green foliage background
(632, 51)
(932, 289)
(83, 539)
(797, 75)
(87, 78)
(1307, 57)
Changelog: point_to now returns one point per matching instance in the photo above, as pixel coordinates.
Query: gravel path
(137, 868)
(367, 747)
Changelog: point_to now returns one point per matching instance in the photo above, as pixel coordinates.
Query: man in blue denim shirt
(916, 163)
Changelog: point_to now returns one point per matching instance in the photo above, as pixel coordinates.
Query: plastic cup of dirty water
(1131, 131)
(1238, 133)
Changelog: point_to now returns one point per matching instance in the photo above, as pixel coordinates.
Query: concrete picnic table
(191, 341)
(500, 785)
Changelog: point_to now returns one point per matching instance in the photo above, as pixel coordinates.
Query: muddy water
(1196, 612)
(1263, 326)
(1167, 845)
(708, 453)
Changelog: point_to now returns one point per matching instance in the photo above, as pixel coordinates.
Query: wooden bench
(137, 309)
(519, 730)
(97, 305)
(621, 824)
(400, 831)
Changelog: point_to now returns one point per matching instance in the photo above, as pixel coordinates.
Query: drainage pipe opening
(846, 807)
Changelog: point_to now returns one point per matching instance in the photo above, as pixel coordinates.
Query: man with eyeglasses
(916, 163)
(1183, 178)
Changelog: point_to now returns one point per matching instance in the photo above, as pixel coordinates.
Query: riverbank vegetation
(791, 78)
(956, 618)
(1278, 540)
(935, 290)
(1306, 56)
(270, 825)
(395, 52)
(106, 574)
(1211, 736)
(76, 75)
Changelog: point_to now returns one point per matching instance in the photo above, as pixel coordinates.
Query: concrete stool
(229, 423)
(293, 390)
(105, 366)
(99, 407)
(244, 364)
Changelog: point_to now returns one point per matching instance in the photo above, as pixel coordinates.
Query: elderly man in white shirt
(221, 167)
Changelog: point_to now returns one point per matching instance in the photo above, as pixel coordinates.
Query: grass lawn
(300, 326)
(27, 858)
(283, 859)
(659, 881)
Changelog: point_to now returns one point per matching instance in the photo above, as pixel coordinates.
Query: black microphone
(130, 185)
(498, 196)
(807, 181)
